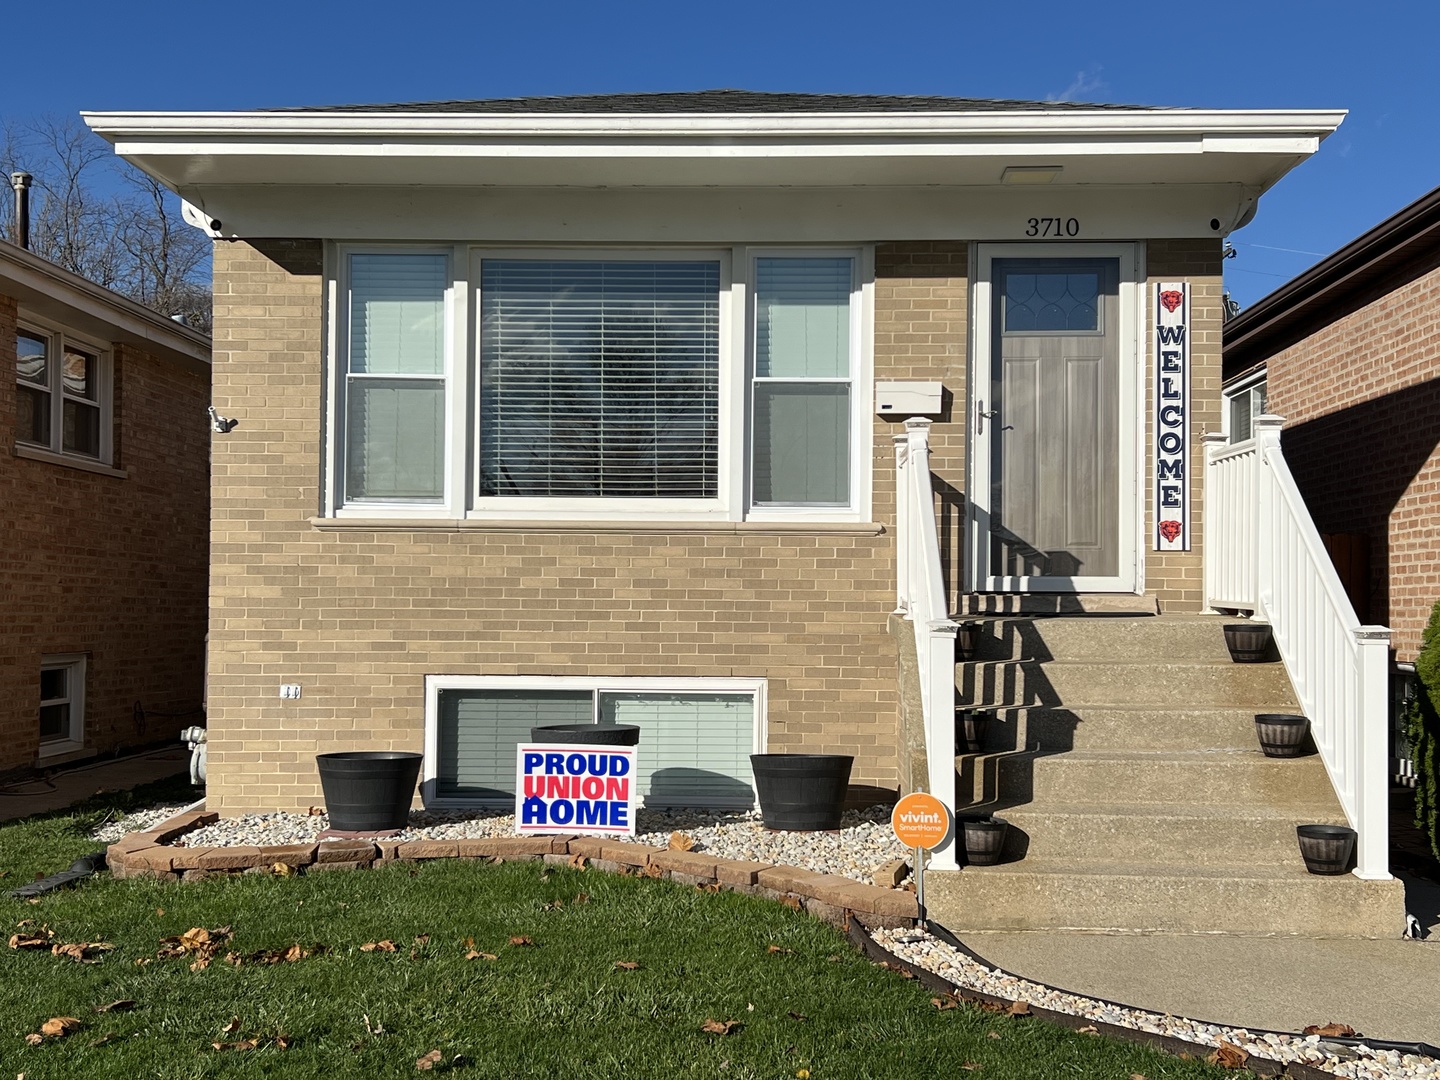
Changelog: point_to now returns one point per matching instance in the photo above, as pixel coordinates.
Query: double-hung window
(62, 704)
(63, 401)
(713, 384)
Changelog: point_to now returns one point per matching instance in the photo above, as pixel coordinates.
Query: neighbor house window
(695, 739)
(62, 704)
(1244, 403)
(63, 401)
(714, 384)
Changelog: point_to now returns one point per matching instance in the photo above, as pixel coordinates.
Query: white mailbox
(907, 398)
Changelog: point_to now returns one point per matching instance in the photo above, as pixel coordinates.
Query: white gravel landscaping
(137, 821)
(863, 843)
(925, 951)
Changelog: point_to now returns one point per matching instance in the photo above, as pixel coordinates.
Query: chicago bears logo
(1171, 299)
(1170, 530)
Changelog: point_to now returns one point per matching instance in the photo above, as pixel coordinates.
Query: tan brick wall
(110, 567)
(1361, 402)
(1176, 578)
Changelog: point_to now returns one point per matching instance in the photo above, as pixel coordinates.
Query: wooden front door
(1048, 428)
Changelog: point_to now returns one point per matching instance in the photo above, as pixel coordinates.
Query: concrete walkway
(65, 788)
(1383, 989)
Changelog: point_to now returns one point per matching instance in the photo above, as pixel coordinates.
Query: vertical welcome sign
(574, 789)
(1171, 422)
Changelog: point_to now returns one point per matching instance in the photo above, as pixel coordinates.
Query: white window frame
(1247, 385)
(75, 664)
(56, 338)
(736, 362)
(595, 684)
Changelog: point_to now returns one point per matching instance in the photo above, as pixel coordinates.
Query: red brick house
(1349, 354)
(104, 480)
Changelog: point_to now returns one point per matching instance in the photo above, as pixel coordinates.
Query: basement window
(62, 704)
(696, 735)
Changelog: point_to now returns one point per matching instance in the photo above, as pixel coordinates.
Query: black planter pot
(967, 640)
(984, 839)
(970, 728)
(368, 790)
(1249, 643)
(1281, 734)
(1326, 849)
(801, 792)
(587, 734)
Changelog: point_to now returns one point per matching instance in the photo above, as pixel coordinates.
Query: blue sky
(1378, 60)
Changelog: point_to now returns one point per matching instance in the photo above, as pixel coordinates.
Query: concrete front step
(1056, 604)
(1104, 638)
(1187, 834)
(1122, 728)
(1181, 685)
(1054, 894)
(1239, 778)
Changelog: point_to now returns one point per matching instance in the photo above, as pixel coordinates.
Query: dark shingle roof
(716, 101)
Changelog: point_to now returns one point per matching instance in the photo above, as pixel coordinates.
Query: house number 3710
(1052, 226)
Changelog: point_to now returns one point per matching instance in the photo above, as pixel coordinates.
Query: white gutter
(267, 126)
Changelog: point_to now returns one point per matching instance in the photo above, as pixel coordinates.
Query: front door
(1051, 427)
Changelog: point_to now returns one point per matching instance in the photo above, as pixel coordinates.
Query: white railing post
(902, 524)
(1372, 773)
(1213, 534)
(1264, 526)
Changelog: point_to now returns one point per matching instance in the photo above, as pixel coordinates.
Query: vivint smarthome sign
(575, 789)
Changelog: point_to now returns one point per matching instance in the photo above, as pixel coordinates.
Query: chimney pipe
(20, 181)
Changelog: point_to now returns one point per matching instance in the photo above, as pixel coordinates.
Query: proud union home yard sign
(1170, 446)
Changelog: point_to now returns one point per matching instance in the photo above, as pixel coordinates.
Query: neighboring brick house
(104, 482)
(1348, 353)
(565, 408)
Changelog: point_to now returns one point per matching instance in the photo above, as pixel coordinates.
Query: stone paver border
(830, 897)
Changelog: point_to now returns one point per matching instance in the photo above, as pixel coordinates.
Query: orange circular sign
(920, 820)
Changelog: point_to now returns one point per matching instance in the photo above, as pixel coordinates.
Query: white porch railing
(1263, 554)
(920, 597)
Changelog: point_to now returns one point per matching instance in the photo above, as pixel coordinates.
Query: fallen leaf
(518, 940)
(993, 1034)
(282, 1041)
(282, 869)
(159, 911)
(34, 1040)
(232, 1027)
(581, 898)
(680, 841)
(798, 1016)
(474, 955)
(315, 811)
(141, 961)
(294, 953)
(1088, 1029)
(1330, 1030)
(243, 1044)
(422, 939)
(1019, 1008)
(497, 860)
(652, 871)
(627, 965)
(58, 1027)
(38, 940)
(1228, 1056)
(778, 949)
(429, 1061)
(972, 1066)
(708, 886)
(943, 1003)
(721, 1027)
(552, 905)
(123, 1005)
(200, 964)
(579, 862)
(1138, 1076)
(80, 951)
(381, 946)
(194, 939)
(909, 887)
(750, 1007)
(792, 902)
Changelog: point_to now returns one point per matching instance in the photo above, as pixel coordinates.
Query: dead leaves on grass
(721, 1027)
(429, 1061)
(628, 965)
(943, 1003)
(778, 949)
(378, 946)
(1228, 1056)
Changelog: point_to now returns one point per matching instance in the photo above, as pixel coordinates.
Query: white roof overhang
(208, 157)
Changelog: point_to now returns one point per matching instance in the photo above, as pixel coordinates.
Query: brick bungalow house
(103, 541)
(671, 408)
(1349, 354)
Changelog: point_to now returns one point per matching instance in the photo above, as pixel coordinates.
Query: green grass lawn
(557, 1007)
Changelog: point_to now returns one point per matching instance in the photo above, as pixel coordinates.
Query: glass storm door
(1048, 431)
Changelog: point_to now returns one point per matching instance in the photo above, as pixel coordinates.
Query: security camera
(221, 424)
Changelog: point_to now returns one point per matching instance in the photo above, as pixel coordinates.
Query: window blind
(395, 384)
(694, 748)
(599, 379)
(800, 440)
(479, 730)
